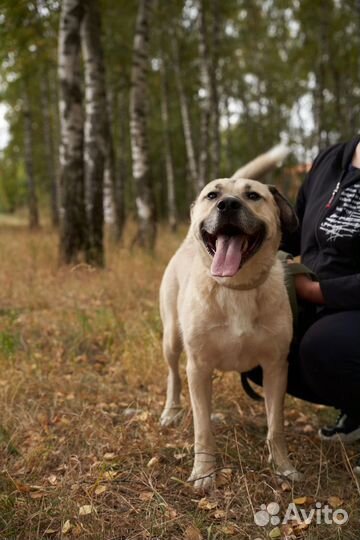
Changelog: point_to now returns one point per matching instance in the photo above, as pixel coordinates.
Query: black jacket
(328, 239)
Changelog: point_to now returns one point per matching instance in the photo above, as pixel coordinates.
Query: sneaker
(345, 428)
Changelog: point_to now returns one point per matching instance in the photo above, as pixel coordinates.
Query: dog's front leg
(275, 382)
(200, 386)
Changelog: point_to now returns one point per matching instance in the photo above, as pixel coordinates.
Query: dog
(223, 299)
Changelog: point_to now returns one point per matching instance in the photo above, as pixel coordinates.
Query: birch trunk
(49, 149)
(96, 129)
(185, 117)
(73, 233)
(145, 203)
(121, 169)
(170, 177)
(214, 103)
(205, 99)
(29, 164)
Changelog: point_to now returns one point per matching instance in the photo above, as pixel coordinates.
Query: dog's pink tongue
(227, 258)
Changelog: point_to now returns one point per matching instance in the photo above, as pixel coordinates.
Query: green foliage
(285, 69)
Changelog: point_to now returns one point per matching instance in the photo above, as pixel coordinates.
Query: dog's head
(238, 224)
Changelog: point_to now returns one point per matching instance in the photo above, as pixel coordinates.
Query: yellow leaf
(205, 504)
(219, 514)
(223, 477)
(66, 527)
(192, 533)
(304, 500)
(52, 479)
(86, 509)
(335, 502)
(99, 490)
(110, 475)
(109, 456)
(146, 495)
(153, 461)
(229, 530)
(275, 533)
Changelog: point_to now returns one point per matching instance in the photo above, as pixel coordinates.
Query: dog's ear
(288, 218)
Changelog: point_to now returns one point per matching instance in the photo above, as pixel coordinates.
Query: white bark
(96, 128)
(145, 203)
(170, 176)
(73, 234)
(185, 117)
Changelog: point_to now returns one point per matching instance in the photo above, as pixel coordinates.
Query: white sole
(346, 438)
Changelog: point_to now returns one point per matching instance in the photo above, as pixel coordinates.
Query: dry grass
(78, 349)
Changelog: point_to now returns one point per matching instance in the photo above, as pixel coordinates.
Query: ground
(82, 383)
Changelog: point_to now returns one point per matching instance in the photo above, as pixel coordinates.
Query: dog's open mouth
(230, 248)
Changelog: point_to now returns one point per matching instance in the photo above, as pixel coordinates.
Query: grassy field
(82, 385)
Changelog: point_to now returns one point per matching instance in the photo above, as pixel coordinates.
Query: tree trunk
(205, 99)
(73, 233)
(117, 170)
(96, 129)
(145, 203)
(185, 117)
(49, 148)
(29, 164)
(120, 180)
(170, 177)
(215, 111)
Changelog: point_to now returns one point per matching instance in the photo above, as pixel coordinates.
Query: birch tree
(205, 99)
(29, 164)
(73, 231)
(145, 203)
(96, 129)
(49, 148)
(185, 115)
(169, 167)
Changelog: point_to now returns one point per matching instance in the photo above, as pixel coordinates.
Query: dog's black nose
(230, 204)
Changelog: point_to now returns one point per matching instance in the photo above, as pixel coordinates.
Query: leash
(291, 270)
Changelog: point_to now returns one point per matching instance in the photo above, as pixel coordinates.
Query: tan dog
(223, 299)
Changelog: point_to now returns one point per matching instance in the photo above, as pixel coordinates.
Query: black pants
(324, 363)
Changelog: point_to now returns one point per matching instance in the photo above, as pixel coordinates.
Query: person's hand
(308, 290)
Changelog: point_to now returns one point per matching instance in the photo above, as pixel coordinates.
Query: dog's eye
(212, 195)
(253, 196)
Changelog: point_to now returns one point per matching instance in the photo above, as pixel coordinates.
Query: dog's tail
(264, 163)
(249, 389)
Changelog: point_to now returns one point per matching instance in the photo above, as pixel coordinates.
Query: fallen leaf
(229, 530)
(179, 456)
(100, 489)
(205, 504)
(304, 500)
(109, 456)
(86, 509)
(37, 494)
(52, 479)
(335, 502)
(51, 531)
(192, 533)
(153, 461)
(275, 533)
(66, 527)
(110, 475)
(219, 514)
(285, 486)
(223, 477)
(146, 495)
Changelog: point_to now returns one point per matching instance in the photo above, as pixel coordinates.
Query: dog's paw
(171, 416)
(291, 474)
(203, 480)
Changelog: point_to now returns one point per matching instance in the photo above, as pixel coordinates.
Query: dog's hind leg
(275, 380)
(172, 347)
